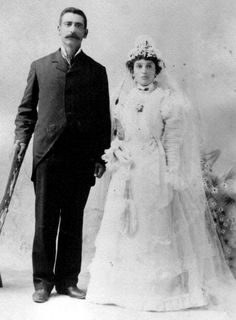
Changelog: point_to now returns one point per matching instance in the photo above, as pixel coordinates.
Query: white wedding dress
(154, 251)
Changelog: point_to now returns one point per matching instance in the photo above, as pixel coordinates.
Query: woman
(154, 251)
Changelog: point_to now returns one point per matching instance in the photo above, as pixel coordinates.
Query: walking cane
(16, 163)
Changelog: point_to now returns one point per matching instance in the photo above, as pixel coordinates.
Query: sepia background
(198, 42)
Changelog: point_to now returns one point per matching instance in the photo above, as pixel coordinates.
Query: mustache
(73, 35)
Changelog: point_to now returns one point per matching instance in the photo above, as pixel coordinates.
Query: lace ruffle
(160, 305)
(117, 155)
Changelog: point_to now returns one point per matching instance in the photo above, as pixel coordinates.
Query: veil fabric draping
(157, 248)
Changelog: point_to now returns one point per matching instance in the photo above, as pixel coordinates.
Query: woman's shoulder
(172, 103)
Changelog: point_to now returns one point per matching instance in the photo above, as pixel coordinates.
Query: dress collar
(146, 89)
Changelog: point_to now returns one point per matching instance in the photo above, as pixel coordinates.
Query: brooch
(139, 108)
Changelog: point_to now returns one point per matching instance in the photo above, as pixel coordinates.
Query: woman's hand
(99, 170)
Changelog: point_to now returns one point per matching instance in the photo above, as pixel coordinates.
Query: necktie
(70, 60)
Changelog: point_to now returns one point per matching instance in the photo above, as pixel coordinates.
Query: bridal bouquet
(221, 198)
(117, 155)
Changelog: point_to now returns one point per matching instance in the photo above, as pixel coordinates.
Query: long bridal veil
(194, 227)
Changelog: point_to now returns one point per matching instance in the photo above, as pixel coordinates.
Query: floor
(15, 269)
(16, 304)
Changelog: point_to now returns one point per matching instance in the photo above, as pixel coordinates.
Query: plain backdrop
(197, 39)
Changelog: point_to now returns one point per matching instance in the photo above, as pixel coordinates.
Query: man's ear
(59, 29)
(85, 33)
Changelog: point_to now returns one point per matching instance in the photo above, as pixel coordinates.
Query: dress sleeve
(118, 130)
(173, 135)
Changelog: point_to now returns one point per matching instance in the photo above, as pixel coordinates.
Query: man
(66, 106)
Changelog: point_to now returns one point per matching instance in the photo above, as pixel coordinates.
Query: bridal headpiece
(144, 47)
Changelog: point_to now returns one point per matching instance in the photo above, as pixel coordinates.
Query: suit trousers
(62, 184)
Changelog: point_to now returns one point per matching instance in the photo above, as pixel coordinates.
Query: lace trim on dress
(184, 301)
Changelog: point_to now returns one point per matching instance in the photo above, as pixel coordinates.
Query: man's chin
(72, 42)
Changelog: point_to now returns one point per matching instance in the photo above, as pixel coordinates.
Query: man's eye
(79, 25)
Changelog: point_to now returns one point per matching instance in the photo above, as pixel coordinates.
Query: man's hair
(75, 11)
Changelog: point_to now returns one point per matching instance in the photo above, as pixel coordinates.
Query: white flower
(232, 240)
(117, 155)
(214, 190)
(212, 203)
(222, 218)
(139, 107)
(228, 251)
(144, 46)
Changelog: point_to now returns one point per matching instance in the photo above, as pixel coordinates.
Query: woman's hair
(75, 11)
(155, 60)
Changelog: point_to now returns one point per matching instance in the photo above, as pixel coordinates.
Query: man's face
(72, 30)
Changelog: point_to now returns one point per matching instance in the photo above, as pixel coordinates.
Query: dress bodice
(153, 121)
(141, 117)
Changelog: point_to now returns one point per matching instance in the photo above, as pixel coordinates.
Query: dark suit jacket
(56, 95)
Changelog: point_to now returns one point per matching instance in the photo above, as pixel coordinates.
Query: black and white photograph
(118, 160)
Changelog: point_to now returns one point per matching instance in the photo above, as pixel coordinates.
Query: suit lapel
(61, 64)
(79, 62)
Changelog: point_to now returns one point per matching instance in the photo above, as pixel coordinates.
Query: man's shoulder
(93, 62)
(48, 57)
(54, 56)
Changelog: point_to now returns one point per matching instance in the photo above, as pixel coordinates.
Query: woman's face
(144, 72)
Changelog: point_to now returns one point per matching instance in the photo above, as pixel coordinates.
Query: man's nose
(72, 28)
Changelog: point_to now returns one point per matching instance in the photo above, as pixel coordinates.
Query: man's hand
(21, 146)
(99, 170)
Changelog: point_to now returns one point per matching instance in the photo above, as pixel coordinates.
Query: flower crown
(144, 46)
